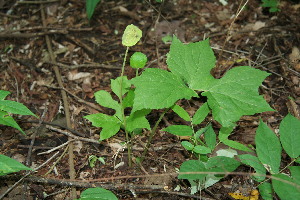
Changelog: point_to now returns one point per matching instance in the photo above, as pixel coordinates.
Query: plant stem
(153, 131)
(122, 110)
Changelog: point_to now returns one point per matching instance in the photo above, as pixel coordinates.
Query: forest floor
(89, 54)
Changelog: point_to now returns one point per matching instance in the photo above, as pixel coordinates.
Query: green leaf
(236, 94)
(138, 120)
(201, 149)
(210, 137)
(116, 86)
(192, 62)
(266, 191)
(268, 148)
(131, 35)
(236, 145)
(200, 114)
(222, 164)
(272, 4)
(224, 133)
(110, 124)
(286, 187)
(15, 108)
(103, 98)
(157, 88)
(180, 130)
(295, 171)
(254, 162)
(187, 145)
(191, 166)
(181, 112)
(90, 7)
(9, 165)
(7, 120)
(3, 94)
(97, 194)
(128, 100)
(290, 135)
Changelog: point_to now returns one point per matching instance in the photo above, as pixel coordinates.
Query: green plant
(93, 159)
(90, 6)
(229, 98)
(13, 107)
(269, 149)
(97, 193)
(9, 165)
(271, 4)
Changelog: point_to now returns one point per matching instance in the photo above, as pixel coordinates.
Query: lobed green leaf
(236, 94)
(157, 88)
(110, 124)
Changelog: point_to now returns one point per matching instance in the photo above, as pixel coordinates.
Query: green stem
(153, 131)
(122, 110)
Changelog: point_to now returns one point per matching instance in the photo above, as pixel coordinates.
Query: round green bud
(138, 60)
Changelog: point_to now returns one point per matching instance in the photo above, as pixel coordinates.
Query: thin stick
(65, 103)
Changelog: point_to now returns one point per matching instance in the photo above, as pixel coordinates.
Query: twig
(56, 148)
(72, 136)
(58, 125)
(30, 35)
(65, 103)
(77, 98)
(85, 184)
(82, 44)
(37, 2)
(95, 65)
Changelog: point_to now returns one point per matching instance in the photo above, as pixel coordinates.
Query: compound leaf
(116, 85)
(157, 88)
(103, 98)
(268, 148)
(236, 94)
(110, 124)
(290, 135)
(138, 120)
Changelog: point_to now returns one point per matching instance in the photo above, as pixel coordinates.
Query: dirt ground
(86, 55)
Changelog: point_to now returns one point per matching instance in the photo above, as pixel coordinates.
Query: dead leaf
(73, 75)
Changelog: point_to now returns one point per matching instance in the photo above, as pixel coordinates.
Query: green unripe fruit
(138, 60)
